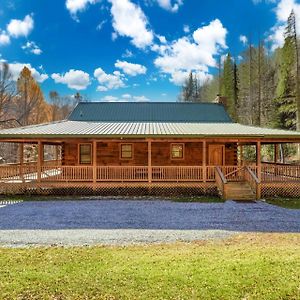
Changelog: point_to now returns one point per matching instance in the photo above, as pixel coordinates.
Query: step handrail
(220, 173)
(252, 174)
(235, 171)
(221, 181)
(253, 179)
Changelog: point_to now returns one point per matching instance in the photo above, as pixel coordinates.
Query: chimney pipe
(221, 100)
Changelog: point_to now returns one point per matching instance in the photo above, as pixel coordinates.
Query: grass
(199, 199)
(292, 203)
(252, 266)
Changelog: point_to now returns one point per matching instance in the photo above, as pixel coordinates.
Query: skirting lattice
(285, 189)
(125, 189)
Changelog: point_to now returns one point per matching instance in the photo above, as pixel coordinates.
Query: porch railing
(177, 173)
(280, 172)
(119, 173)
(55, 172)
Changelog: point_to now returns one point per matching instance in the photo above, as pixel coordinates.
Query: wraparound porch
(250, 178)
(54, 175)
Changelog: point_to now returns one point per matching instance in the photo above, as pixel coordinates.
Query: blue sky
(131, 50)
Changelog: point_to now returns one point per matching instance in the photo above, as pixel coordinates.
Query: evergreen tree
(287, 82)
(188, 89)
(228, 87)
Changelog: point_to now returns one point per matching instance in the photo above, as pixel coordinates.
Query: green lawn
(292, 203)
(249, 266)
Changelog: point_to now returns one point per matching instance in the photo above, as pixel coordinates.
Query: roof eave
(137, 136)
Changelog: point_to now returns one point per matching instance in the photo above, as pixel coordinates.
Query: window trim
(183, 151)
(79, 154)
(132, 151)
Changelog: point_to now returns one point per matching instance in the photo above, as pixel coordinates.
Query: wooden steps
(239, 191)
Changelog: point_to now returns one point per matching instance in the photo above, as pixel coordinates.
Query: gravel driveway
(121, 221)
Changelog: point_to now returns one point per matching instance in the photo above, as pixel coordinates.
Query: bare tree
(31, 106)
(7, 89)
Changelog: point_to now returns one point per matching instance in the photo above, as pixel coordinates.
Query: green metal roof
(150, 112)
(74, 129)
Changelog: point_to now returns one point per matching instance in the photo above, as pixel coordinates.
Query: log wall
(108, 154)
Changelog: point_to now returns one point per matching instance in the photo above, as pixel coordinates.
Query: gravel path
(114, 222)
(79, 237)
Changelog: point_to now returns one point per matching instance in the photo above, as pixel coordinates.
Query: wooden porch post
(94, 162)
(241, 155)
(40, 160)
(21, 161)
(149, 161)
(204, 161)
(275, 153)
(56, 154)
(258, 163)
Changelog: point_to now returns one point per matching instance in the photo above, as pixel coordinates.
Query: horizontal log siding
(231, 154)
(108, 154)
(161, 155)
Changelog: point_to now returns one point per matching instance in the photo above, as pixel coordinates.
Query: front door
(216, 155)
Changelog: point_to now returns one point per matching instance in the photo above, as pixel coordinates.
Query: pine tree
(188, 89)
(287, 83)
(228, 87)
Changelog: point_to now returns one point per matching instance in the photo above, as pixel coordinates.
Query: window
(177, 151)
(85, 154)
(126, 151)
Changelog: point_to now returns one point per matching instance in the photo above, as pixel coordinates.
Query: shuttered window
(85, 154)
(126, 151)
(177, 151)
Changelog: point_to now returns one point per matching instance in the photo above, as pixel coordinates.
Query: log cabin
(149, 147)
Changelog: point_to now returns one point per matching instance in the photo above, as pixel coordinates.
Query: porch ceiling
(80, 129)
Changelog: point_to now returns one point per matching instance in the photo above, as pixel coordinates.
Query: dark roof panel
(150, 112)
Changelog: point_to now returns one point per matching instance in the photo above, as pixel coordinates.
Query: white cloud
(4, 38)
(127, 54)
(114, 36)
(141, 98)
(110, 99)
(266, 1)
(186, 28)
(277, 36)
(16, 68)
(74, 79)
(130, 69)
(101, 88)
(282, 11)
(75, 6)
(192, 54)
(32, 47)
(17, 28)
(100, 25)
(243, 39)
(109, 81)
(130, 21)
(128, 97)
(167, 5)
(162, 39)
(211, 36)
